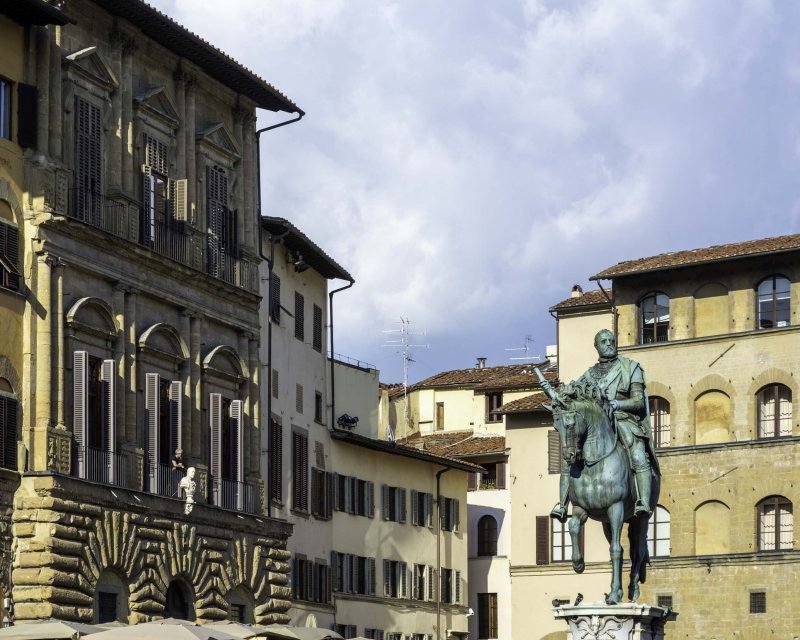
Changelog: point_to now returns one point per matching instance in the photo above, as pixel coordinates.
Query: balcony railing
(237, 496)
(100, 466)
(172, 240)
(165, 480)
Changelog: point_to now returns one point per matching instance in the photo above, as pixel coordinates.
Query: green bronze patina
(609, 470)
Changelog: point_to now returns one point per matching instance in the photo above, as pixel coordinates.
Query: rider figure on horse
(621, 381)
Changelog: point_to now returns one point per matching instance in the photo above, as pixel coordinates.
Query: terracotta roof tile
(588, 299)
(457, 444)
(503, 377)
(528, 403)
(703, 255)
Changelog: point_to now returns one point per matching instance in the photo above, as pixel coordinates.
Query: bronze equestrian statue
(609, 470)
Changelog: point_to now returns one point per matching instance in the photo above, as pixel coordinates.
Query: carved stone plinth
(626, 621)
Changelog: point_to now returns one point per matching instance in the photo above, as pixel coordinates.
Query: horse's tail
(640, 554)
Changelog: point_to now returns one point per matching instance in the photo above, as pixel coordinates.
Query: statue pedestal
(625, 621)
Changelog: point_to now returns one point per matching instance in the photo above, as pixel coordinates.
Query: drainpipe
(439, 475)
(333, 375)
(270, 262)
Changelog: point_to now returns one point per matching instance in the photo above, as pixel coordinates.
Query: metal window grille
(758, 602)
(659, 420)
(664, 601)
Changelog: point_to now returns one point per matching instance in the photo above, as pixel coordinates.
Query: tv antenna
(403, 345)
(526, 345)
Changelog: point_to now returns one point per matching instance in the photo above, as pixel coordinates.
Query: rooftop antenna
(524, 348)
(403, 345)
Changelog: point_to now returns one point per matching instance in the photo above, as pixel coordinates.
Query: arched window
(487, 536)
(775, 524)
(658, 533)
(659, 421)
(654, 318)
(8, 426)
(774, 411)
(773, 302)
(178, 602)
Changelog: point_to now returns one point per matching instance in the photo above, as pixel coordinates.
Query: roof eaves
(35, 12)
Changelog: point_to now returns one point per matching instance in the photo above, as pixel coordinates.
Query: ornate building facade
(139, 328)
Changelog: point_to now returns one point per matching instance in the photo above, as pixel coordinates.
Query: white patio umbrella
(168, 629)
(238, 629)
(300, 633)
(48, 630)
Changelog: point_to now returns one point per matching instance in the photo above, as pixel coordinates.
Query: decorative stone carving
(59, 450)
(629, 621)
(189, 487)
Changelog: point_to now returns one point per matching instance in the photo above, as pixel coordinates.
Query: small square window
(298, 398)
(758, 602)
(665, 601)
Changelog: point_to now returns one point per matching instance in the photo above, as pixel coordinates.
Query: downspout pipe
(333, 368)
(439, 475)
(270, 260)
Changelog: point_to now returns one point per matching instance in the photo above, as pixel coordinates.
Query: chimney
(577, 291)
(481, 363)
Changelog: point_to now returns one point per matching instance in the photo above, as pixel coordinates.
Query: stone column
(126, 88)
(130, 366)
(119, 357)
(44, 357)
(249, 185)
(197, 387)
(43, 85)
(255, 406)
(59, 351)
(56, 109)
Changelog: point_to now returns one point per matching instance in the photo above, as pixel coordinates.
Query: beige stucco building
(135, 324)
(716, 331)
(374, 551)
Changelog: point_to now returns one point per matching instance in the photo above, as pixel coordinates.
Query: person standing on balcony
(177, 460)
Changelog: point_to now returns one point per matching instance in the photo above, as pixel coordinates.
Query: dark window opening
(654, 319)
(487, 536)
(758, 602)
(665, 601)
(487, 615)
(774, 303)
(106, 607)
(493, 401)
(177, 604)
(5, 109)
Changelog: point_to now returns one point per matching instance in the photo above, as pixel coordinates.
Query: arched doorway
(180, 601)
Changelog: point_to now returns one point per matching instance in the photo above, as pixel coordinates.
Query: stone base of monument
(625, 621)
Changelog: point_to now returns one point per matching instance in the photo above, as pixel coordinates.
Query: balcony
(100, 466)
(165, 480)
(176, 241)
(236, 496)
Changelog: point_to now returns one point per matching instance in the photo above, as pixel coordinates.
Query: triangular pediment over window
(156, 102)
(90, 64)
(216, 136)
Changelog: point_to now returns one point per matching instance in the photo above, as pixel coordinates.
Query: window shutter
(304, 473)
(500, 482)
(386, 506)
(370, 499)
(334, 574)
(276, 460)
(27, 113)
(299, 316)
(431, 583)
(237, 429)
(403, 570)
(356, 573)
(457, 587)
(429, 509)
(275, 297)
(317, 338)
(401, 505)
(335, 502)
(472, 481)
(330, 487)
(80, 372)
(414, 507)
(542, 540)
(456, 514)
(148, 227)
(371, 586)
(387, 578)
(180, 206)
(109, 417)
(152, 400)
(316, 499)
(215, 424)
(553, 452)
(175, 420)
(351, 573)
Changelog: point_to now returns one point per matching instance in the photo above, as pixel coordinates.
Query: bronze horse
(602, 487)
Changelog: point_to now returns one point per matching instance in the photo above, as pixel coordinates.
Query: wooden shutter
(472, 481)
(8, 441)
(299, 316)
(334, 574)
(542, 540)
(109, 417)
(500, 482)
(456, 587)
(275, 297)
(414, 507)
(317, 338)
(237, 433)
(147, 233)
(180, 204)
(152, 402)
(456, 515)
(553, 452)
(387, 578)
(401, 505)
(215, 440)
(80, 383)
(370, 499)
(386, 506)
(371, 573)
(175, 417)
(315, 492)
(431, 580)
(276, 460)
(429, 509)
(403, 584)
(88, 155)
(330, 493)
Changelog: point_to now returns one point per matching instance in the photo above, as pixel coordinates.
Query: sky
(469, 161)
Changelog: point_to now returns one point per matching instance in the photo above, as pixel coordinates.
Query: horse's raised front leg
(577, 520)
(616, 514)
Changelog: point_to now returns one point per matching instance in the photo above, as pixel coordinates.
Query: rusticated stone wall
(68, 531)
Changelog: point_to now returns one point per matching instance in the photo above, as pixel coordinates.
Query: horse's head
(571, 435)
